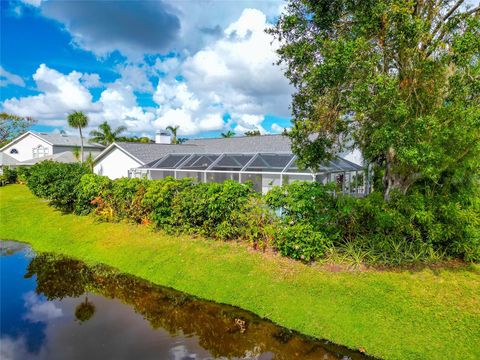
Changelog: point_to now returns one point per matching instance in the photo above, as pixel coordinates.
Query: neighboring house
(6, 160)
(118, 159)
(32, 146)
(264, 160)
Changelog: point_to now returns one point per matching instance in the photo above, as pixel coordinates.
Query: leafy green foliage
(398, 79)
(105, 135)
(12, 126)
(159, 196)
(211, 209)
(90, 187)
(301, 241)
(56, 182)
(8, 176)
(78, 120)
(302, 220)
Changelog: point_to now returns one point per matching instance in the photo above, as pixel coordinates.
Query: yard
(431, 313)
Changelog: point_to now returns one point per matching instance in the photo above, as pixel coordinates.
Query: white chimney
(162, 137)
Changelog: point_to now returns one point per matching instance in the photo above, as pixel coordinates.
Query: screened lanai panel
(170, 161)
(232, 162)
(197, 177)
(344, 165)
(199, 162)
(269, 162)
(220, 177)
(294, 168)
(161, 174)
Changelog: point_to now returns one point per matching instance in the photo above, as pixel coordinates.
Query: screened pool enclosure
(264, 170)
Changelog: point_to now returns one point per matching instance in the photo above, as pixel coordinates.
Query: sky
(206, 66)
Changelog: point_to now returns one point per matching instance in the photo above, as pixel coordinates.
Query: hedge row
(302, 220)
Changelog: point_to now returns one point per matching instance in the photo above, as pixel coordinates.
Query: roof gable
(55, 140)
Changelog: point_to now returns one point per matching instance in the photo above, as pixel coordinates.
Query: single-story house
(32, 147)
(265, 160)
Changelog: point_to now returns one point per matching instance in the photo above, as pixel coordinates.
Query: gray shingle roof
(244, 144)
(6, 159)
(63, 157)
(150, 152)
(65, 140)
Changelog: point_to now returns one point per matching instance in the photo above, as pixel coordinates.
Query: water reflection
(70, 310)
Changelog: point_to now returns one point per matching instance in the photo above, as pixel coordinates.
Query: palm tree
(85, 310)
(173, 130)
(228, 134)
(76, 152)
(104, 135)
(79, 120)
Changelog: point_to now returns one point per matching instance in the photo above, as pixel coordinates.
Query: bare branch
(452, 10)
(471, 11)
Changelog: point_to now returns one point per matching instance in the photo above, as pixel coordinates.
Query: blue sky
(206, 66)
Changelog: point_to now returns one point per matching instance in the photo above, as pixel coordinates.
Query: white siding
(115, 164)
(25, 147)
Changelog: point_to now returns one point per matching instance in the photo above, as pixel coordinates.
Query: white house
(31, 146)
(264, 160)
(118, 159)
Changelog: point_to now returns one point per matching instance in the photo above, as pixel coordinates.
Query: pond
(59, 308)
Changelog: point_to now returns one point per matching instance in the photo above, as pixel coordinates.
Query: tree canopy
(252, 133)
(228, 134)
(105, 135)
(78, 120)
(12, 126)
(174, 130)
(398, 79)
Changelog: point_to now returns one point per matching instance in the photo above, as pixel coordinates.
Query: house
(32, 147)
(119, 158)
(265, 160)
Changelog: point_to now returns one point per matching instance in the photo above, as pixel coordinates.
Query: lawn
(402, 314)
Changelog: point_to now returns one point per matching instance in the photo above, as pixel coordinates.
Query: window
(14, 151)
(40, 151)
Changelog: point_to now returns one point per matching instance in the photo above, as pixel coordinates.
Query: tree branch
(452, 10)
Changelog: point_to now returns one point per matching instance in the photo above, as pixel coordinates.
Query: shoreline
(401, 314)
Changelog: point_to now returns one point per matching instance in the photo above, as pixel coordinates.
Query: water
(58, 308)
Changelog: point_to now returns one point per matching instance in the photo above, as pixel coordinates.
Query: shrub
(159, 196)
(256, 222)
(306, 202)
(56, 182)
(301, 241)
(211, 209)
(22, 174)
(125, 198)
(8, 176)
(91, 186)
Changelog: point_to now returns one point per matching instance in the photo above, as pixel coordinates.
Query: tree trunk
(393, 180)
(81, 145)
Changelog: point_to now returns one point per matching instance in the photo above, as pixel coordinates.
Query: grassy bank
(427, 314)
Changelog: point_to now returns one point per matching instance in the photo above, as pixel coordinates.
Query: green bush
(301, 220)
(56, 182)
(307, 203)
(159, 196)
(91, 186)
(301, 241)
(211, 209)
(22, 174)
(256, 222)
(9, 176)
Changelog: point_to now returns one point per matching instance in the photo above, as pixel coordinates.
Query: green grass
(425, 314)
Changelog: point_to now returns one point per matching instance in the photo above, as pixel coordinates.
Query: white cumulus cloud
(7, 78)
(234, 74)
